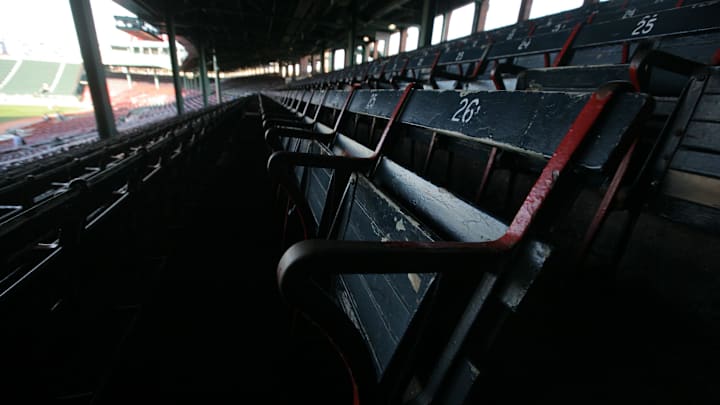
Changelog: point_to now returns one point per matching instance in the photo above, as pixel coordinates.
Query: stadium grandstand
(47, 100)
(403, 202)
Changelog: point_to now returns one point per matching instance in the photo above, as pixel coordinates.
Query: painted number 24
(468, 109)
(645, 25)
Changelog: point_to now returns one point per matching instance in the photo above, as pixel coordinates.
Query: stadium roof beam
(87, 38)
(277, 29)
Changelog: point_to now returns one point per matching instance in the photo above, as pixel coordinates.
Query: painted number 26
(468, 109)
(645, 25)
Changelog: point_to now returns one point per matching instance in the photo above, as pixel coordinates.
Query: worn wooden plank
(377, 334)
(422, 59)
(702, 163)
(703, 135)
(316, 188)
(687, 212)
(395, 310)
(701, 190)
(377, 103)
(698, 47)
(317, 97)
(708, 108)
(696, 18)
(597, 55)
(345, 146)
(450, 216)
(533, 61)
(553, 41)
(373, 216)
(335, 99)
(713, 85)
(527, 123)
(572, 77)
(381, 304)
(471, 52)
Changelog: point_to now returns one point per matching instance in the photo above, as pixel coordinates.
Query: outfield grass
(15, 112)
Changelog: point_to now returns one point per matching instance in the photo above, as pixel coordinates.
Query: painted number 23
(468, 109)
(645, 25)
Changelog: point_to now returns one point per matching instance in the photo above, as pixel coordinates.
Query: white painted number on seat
(645, 25)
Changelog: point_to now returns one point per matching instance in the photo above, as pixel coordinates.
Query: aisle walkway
(212, 317)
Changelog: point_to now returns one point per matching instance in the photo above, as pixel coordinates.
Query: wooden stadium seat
(395, 236)
(314, 173)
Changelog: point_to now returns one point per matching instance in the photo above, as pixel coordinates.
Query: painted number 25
(645, 25)
(468, 109)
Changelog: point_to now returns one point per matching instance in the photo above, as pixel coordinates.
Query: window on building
(502, 13)
(339, 59)
(460, 22)
(381, 48)
(328, 58)
(542, 8)
(297, 69)
(371, 51)
(318, 66)
(412, 38)
(437, 29)
(394, 44)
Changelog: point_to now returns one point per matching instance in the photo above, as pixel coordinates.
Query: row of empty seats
(395, 190)
(606, 36)
(437, 225)
(51, 136)
(59, 220)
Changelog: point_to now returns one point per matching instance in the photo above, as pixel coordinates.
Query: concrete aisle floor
(213, 328)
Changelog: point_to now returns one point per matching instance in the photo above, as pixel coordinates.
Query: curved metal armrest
(442, 74)
(318, 257)
(277, 115)
(497, 72)
(272, 135)
(279, 162)
(287, 122)
(647, 59)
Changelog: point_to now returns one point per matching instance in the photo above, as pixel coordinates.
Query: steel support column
(429, 10)
(87, 38)
(322, 59)
(204, 85)
(350, 53)
(217, 78)
(179, 102)
(525, 8)
(481, 10)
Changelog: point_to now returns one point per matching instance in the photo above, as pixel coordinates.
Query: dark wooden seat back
(394, 235)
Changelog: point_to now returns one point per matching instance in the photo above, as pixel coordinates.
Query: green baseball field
(16, 112)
